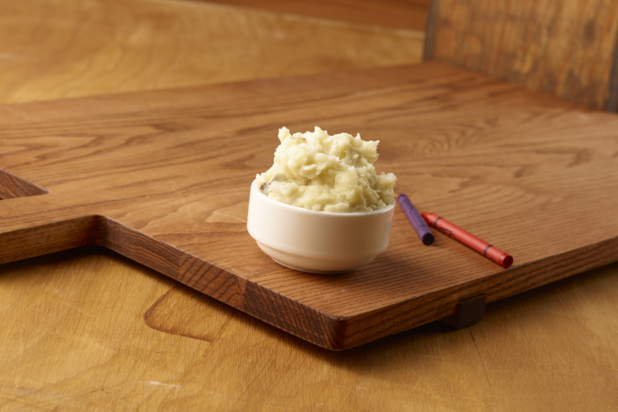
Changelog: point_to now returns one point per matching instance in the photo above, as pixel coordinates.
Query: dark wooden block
(469, 311)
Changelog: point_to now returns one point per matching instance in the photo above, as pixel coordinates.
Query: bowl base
(314, 272)
(315, 266)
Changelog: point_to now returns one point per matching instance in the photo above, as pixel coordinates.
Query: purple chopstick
(418, 223)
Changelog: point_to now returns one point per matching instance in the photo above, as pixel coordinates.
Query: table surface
(89, 329)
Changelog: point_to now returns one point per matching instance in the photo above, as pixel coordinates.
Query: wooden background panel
(399, 14)
(564, 48)
(66, 48)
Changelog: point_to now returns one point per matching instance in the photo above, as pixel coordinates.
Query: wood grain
(562, 48)
(70, 344)
(150, 343)
(173, 168)
(66, 48)
(398, 14)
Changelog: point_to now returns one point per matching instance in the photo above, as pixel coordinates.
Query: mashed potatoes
(327, 173)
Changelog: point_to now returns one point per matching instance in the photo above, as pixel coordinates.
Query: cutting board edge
(496, 287)
(326, 330)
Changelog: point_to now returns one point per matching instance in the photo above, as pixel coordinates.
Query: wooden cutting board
(163, 178)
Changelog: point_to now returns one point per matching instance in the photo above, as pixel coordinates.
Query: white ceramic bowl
(317, 242)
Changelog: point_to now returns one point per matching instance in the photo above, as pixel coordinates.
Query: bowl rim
(386, 209)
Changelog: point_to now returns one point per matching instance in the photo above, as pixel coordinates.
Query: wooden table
(88, 329)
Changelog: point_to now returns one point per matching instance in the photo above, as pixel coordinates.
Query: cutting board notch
(12, 186)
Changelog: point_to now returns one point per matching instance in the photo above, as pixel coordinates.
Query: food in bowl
(319, 172)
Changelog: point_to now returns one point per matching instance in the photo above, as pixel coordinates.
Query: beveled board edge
(249, 297)
(322, 329)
